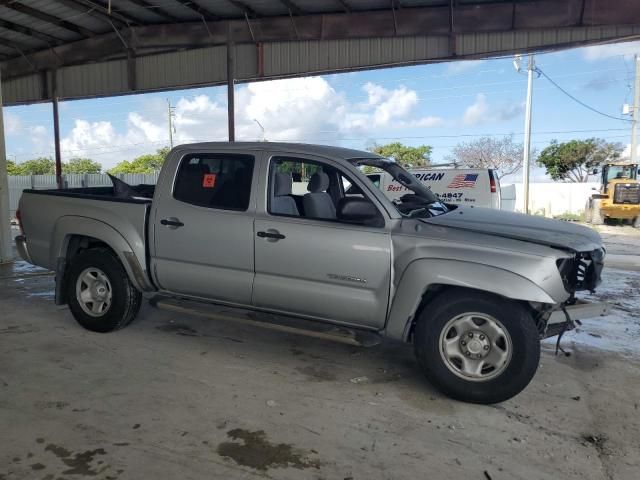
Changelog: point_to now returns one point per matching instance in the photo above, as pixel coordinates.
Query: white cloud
(599, 52)
(12, 124)
(462, 66)
(481, 112)
(100, 140)
(476, 113)
(389, 105)
(301, 109)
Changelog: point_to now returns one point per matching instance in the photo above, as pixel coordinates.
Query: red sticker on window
(209, 180)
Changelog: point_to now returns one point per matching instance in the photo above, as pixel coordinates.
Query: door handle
(171, 222)
(272, 235)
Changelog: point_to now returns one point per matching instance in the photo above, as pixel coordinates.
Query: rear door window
(215, 180)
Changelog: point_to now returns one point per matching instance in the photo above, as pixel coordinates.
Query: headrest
(282, 184)
(195, 168)
(319, 182)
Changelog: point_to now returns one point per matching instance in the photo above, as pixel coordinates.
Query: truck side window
(309, 189)
(215, 180)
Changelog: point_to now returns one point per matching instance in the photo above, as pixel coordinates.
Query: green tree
(405, 155)
(12, 168)
(37, 166)
(81, 165)
(148, 163)
(572, 161)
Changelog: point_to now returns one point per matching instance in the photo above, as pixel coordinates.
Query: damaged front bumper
(564, 319)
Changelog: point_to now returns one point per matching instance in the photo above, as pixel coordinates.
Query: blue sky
(438, 105)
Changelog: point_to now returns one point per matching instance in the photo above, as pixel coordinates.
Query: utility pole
(634, 113)
(170, 114)
(527, 134)
(264, 139)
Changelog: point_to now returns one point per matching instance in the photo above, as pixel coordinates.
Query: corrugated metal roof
(145, 45)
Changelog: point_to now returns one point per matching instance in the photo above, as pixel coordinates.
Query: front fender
(422, 274)
(68, 226)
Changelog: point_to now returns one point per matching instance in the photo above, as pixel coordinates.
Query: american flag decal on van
(467, 180)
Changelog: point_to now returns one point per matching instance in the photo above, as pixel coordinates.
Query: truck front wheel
(101, 297)
(477, 347)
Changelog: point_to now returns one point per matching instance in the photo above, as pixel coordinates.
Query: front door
(203, 228)
(307, 261)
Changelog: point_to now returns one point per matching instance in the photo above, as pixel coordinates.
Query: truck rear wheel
(101, 297)
(477, 347)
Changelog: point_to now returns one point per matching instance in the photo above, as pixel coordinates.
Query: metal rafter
(344, 5)
(154, 39)
(246, 9)
(95, 11)
(14, 27)
(32, 12)
(199, 9)
(293, 8)
(155, 9)
(103, 6)
(18, 47)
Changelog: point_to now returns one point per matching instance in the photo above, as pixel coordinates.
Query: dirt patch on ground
(317, 374)
(255, 451)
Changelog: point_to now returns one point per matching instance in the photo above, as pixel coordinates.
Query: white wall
(551, 198)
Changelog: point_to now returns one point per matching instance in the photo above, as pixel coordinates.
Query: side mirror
(358, 210)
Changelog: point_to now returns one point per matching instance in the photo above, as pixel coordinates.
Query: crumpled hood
(529, 228)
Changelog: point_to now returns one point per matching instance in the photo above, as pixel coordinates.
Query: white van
(467, 186)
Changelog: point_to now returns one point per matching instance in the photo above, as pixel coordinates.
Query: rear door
(317, 266)
(203, 226)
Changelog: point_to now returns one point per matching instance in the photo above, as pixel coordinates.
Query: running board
(309, 328)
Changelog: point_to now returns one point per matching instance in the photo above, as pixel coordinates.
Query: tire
(636, 222)
(596, 213)
(588, 212)
(111, 302)
(508, 342)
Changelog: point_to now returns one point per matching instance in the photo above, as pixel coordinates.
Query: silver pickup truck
(299, 230)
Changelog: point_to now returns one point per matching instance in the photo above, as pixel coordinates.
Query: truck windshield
(418, 202)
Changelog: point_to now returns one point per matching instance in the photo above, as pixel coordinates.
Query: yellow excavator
(618, 197)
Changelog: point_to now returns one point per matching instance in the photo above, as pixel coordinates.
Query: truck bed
(138, 193)
(50, 216)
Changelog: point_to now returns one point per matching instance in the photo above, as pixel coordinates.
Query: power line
(125, 147)
(578, 100)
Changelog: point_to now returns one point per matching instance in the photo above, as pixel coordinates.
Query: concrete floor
(181, 397)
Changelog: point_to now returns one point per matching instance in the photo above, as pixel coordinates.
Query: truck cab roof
(338, 153)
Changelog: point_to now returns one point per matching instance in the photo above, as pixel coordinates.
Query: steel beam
(103, 7)
(32, 12)
(231, 104)
(18, 47)
(14, 27)
(6, 254)
(93, 11)
(161, 12)
(345, 6)
(243, 7)
(199, 9)
(292, 7)
(56, 129)
(435, 21)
